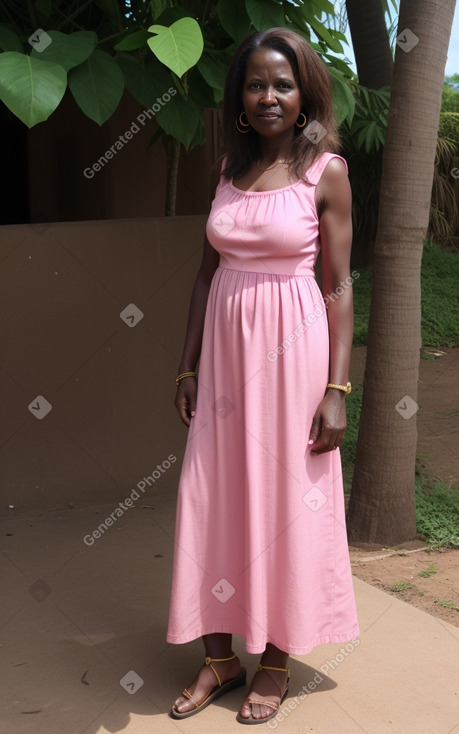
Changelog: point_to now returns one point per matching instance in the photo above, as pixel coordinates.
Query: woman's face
(271, 97)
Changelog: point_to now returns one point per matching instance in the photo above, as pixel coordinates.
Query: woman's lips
(268, 116)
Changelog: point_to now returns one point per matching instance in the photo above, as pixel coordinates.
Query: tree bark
(370, 41)
(173, 155)
(382, 503)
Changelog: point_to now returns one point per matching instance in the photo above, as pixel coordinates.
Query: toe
(261, 712)
(265, 711)
(246, 711)
(182, 704)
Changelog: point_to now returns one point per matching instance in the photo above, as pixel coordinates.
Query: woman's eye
(280, 85)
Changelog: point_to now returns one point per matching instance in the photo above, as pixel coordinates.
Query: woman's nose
(268, 97)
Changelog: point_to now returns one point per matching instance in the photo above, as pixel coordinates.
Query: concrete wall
(110, 384)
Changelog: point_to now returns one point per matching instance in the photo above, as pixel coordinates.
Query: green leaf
(97, 86)
(338, 35)
(322, 32)
(213, 66)
(199, 137)
(67, 49)
(343, 99)
(340, 65)
(265, 14)
(157, 7)
(370, 136)
(109, 7)
(237, 24)
(9, 40)
(182, 85)
(44, 7)
(180, 118)
(366, 95)
(380, 137)
(361, 138)
(179, 46)
(326, 6)
(218, 96)
(171, 14)
(317, 47)
(297, 18)
(133, 41)
(155, 137)
(31, 89)
(200, 92)
(145, 81)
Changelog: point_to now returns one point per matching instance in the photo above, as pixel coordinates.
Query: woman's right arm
(185, 399)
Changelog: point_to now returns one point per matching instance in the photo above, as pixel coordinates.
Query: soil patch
(438, 583)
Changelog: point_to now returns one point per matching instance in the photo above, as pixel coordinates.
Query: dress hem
(260, 647)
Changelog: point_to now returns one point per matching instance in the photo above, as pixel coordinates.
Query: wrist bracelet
(183, 375)
(345, 388)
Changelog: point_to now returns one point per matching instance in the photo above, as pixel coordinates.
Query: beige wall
(110, 385)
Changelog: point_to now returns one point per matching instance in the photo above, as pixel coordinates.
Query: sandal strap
(188, 695)
(282, 670)
(270, 667)
(208, 661)
(273, 705)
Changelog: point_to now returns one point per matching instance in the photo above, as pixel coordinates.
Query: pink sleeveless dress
(260, 545)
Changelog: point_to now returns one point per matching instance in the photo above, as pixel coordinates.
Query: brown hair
(315, 84)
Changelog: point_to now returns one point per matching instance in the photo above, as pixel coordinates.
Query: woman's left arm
(333, 197)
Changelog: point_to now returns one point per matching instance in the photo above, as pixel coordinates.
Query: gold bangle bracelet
(183, 375)
(345, 388)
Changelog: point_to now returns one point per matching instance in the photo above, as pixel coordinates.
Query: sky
(452, 64)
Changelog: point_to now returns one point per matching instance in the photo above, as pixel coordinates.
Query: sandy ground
(386, 569)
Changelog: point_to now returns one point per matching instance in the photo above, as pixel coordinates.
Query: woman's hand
(329, 423)
(185, 399)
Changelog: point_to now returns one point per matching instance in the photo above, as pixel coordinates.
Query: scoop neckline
(268, 191)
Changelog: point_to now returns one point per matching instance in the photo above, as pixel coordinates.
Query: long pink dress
(260, 546)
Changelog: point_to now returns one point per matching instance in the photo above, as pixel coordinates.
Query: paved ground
(82, 627)
(77, 619)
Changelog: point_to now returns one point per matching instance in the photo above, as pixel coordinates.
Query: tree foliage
(101, 47)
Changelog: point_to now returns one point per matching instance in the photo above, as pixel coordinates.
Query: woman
(261, 548)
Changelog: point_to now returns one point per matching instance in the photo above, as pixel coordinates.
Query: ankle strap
(269, 667)
(208, 661)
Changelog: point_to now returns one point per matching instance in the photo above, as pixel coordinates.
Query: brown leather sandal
(271, 704)
(217, 691)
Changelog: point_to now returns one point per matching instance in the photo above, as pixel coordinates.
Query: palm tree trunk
(382, 503)
(370, 41)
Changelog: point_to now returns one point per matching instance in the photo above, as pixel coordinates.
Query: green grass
(437, 502)
(439, 301)
(401, 586)
(437, 510)
(349, 446)
(447, 604)
(428, 572)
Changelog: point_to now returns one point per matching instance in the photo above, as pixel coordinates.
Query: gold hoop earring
(304, 118)
(242, 124)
